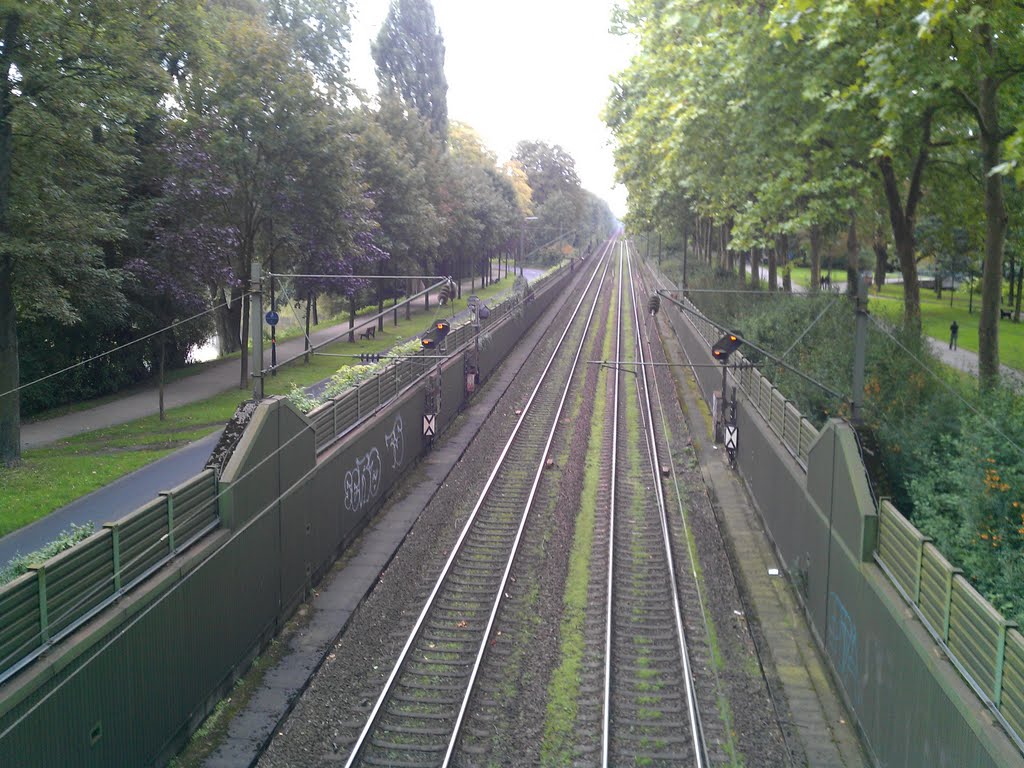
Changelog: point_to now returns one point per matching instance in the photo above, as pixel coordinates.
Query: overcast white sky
(528, 69)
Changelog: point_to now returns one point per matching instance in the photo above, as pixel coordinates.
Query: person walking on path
(954, 331)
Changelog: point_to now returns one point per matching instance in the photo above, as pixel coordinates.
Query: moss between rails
(564, 687)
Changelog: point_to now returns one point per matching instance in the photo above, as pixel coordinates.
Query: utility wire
(808, 328)
(766, 353)
(122, 346)
(938, 378)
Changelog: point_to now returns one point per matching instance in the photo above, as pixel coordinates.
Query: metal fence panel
(143, 539)
(78, 580)
(195, 507)
(900, 547)
(936, 589)
(777, 414)
(791, 428)
(1012, 702)
(20, 629)
(808, 434)
(976, 632)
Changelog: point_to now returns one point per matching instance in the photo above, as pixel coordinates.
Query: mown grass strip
(51, 477)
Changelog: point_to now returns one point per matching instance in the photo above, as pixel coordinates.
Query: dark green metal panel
(914, 708)
(147, 671)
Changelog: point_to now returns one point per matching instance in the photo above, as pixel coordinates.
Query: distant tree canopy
(409, 53)
(153, 151)
(777, 126)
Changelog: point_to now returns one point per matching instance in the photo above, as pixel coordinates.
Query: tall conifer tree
(409, 53)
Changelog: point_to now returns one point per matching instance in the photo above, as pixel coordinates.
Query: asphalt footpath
(218, 377)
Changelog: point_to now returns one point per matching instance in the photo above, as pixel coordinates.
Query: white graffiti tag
(363, 481)
(395, 440)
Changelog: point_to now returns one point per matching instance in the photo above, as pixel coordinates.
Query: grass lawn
(936, 317)
(54, 475)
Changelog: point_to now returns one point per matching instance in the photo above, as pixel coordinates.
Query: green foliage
(65, 540)
(409, 53)
(350, 376)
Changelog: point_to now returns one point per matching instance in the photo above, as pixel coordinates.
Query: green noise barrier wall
(931, 671)
(117, 649)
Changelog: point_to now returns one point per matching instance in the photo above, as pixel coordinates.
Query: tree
(260, 164)
(75, 79)
(981, 59)
(409, 54)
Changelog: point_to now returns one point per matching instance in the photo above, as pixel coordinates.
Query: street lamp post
(522, 238)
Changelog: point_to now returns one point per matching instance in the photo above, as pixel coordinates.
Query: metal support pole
(522, 245)
(721, 413)
(859, 347)
(273, 328)
(256, 326)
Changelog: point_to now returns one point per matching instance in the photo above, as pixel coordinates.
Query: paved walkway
(217, 378)
(961, 359)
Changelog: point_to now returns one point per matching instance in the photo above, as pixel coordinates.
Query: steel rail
(375, 713)
(693, 712)
(657, 280)
(609, 614)
(529, 504)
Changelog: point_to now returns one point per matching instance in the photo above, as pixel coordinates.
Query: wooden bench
(1005, 313)
(369, 333)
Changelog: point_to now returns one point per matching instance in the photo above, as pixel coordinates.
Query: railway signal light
(724, 347)
(428, 341)
(442, 327)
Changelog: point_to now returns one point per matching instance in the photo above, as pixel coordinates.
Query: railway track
(651, 714)
(418, 716)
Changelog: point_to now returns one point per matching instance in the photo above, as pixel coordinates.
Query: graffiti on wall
(362, 482)
(841, 645)
(395, 441)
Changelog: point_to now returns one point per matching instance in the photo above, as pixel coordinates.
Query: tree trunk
(852, 255)
(10, 404)
(743, 266)
(352, 318)
(995, 221)
(815, 236)
(774, 256)
(163, 358)
(881, 250)
(903, 218)
(243, 377)
(1020, 284)
(316, 313)
(309, 303)
(1013, 279)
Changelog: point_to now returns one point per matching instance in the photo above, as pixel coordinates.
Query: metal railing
(983, 645)
(56, 597)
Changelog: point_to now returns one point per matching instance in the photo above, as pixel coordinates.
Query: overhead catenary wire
(775, 359)
(123, 346)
